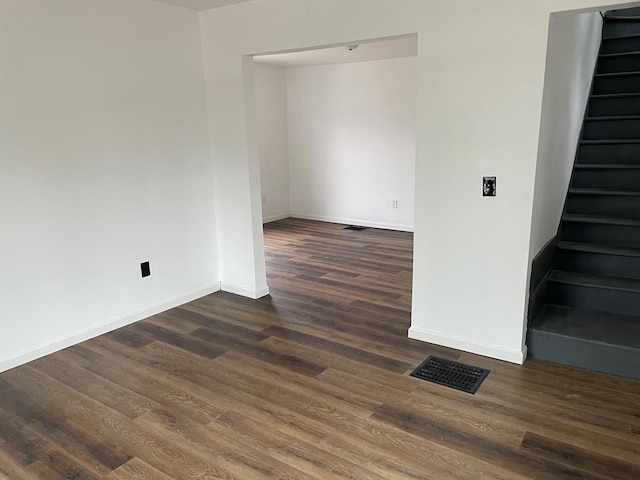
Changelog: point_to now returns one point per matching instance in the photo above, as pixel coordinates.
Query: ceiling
(380, 50)
(200, 5)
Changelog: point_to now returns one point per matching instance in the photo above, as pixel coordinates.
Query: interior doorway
(336, 133)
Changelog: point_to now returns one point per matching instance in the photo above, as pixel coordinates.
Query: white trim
(348, 221)
(53, 346)
(275, 218)
(244, 291)
(471, 346)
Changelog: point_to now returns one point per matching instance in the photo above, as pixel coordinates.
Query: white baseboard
(244, 291)
(352, 221)
(53, 346)
(479, 348)
(275, 218)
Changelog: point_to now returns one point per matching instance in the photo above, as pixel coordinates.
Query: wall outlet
(394, 203)
(489, 186)
(145, 269)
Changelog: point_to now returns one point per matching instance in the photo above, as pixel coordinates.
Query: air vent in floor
(451, 374)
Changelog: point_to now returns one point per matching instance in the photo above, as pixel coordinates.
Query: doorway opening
(336, 134)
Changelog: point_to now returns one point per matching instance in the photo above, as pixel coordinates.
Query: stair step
(595, 281)
(603, 203)
(619, 54)
(619, 82)
(623, 18)
(600, 249)
(627, 222)
(616, 141)
(608, 179)
(619, 26)
(598, 260)
(611, 127)
(603, 191)
(594, 292)
(620, 44)
(623, 12)
(599, 341)
(605, 166)
(614, 152)
(618, 62)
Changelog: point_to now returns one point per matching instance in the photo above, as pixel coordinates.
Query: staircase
(589, 314)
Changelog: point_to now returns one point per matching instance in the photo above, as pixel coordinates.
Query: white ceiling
(200, 5)
(381, 50)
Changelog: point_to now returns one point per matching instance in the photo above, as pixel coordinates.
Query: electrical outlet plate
(145, 269)
(489, 186)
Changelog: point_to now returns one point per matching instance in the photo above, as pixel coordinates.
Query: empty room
(484, 324)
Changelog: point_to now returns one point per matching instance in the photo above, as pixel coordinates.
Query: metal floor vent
(355, 227)
(451, 374)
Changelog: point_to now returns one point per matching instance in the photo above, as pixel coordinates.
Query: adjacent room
(180, 298)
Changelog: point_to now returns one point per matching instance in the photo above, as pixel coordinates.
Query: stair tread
(604, 191)
(622, 18)
(621, 37)
(615, 95)
(619, 54)
(606, 166)
(612, 118)
(617, 74)
(596, 281)
(572, 217)
(600, 327)
(596, 248)
(610, 142)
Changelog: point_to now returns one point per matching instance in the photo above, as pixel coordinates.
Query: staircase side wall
(572, 53)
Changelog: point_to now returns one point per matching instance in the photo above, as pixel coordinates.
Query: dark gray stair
(585, 297)
(624, 82)
(612, 128)
(603, 203)
(615, 232)
(600, 260)
(625, 12)
(620, 44)
(616, 152)
(626, 104)
(619, 62)
(594, 292)
(611, 177)
(615, 26)
(597, 341)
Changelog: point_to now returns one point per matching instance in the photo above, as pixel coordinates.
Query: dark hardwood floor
(309, 383)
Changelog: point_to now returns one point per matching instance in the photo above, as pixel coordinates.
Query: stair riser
(604, 206)
(625, 12)
(616, 29)
(621, 45)
(583, 354)
(610, 235)
(616, 84)
(614, 179)
(612, 129)
(616, 154)
(627, 63)
(589, 298)
(598, 264)
(610, 107)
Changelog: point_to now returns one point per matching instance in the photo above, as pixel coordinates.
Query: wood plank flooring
(309, 383)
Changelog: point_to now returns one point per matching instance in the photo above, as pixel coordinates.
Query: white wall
(572, 52)
(352, 142)
(481, 72)
(271, 114)
(105, 164)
